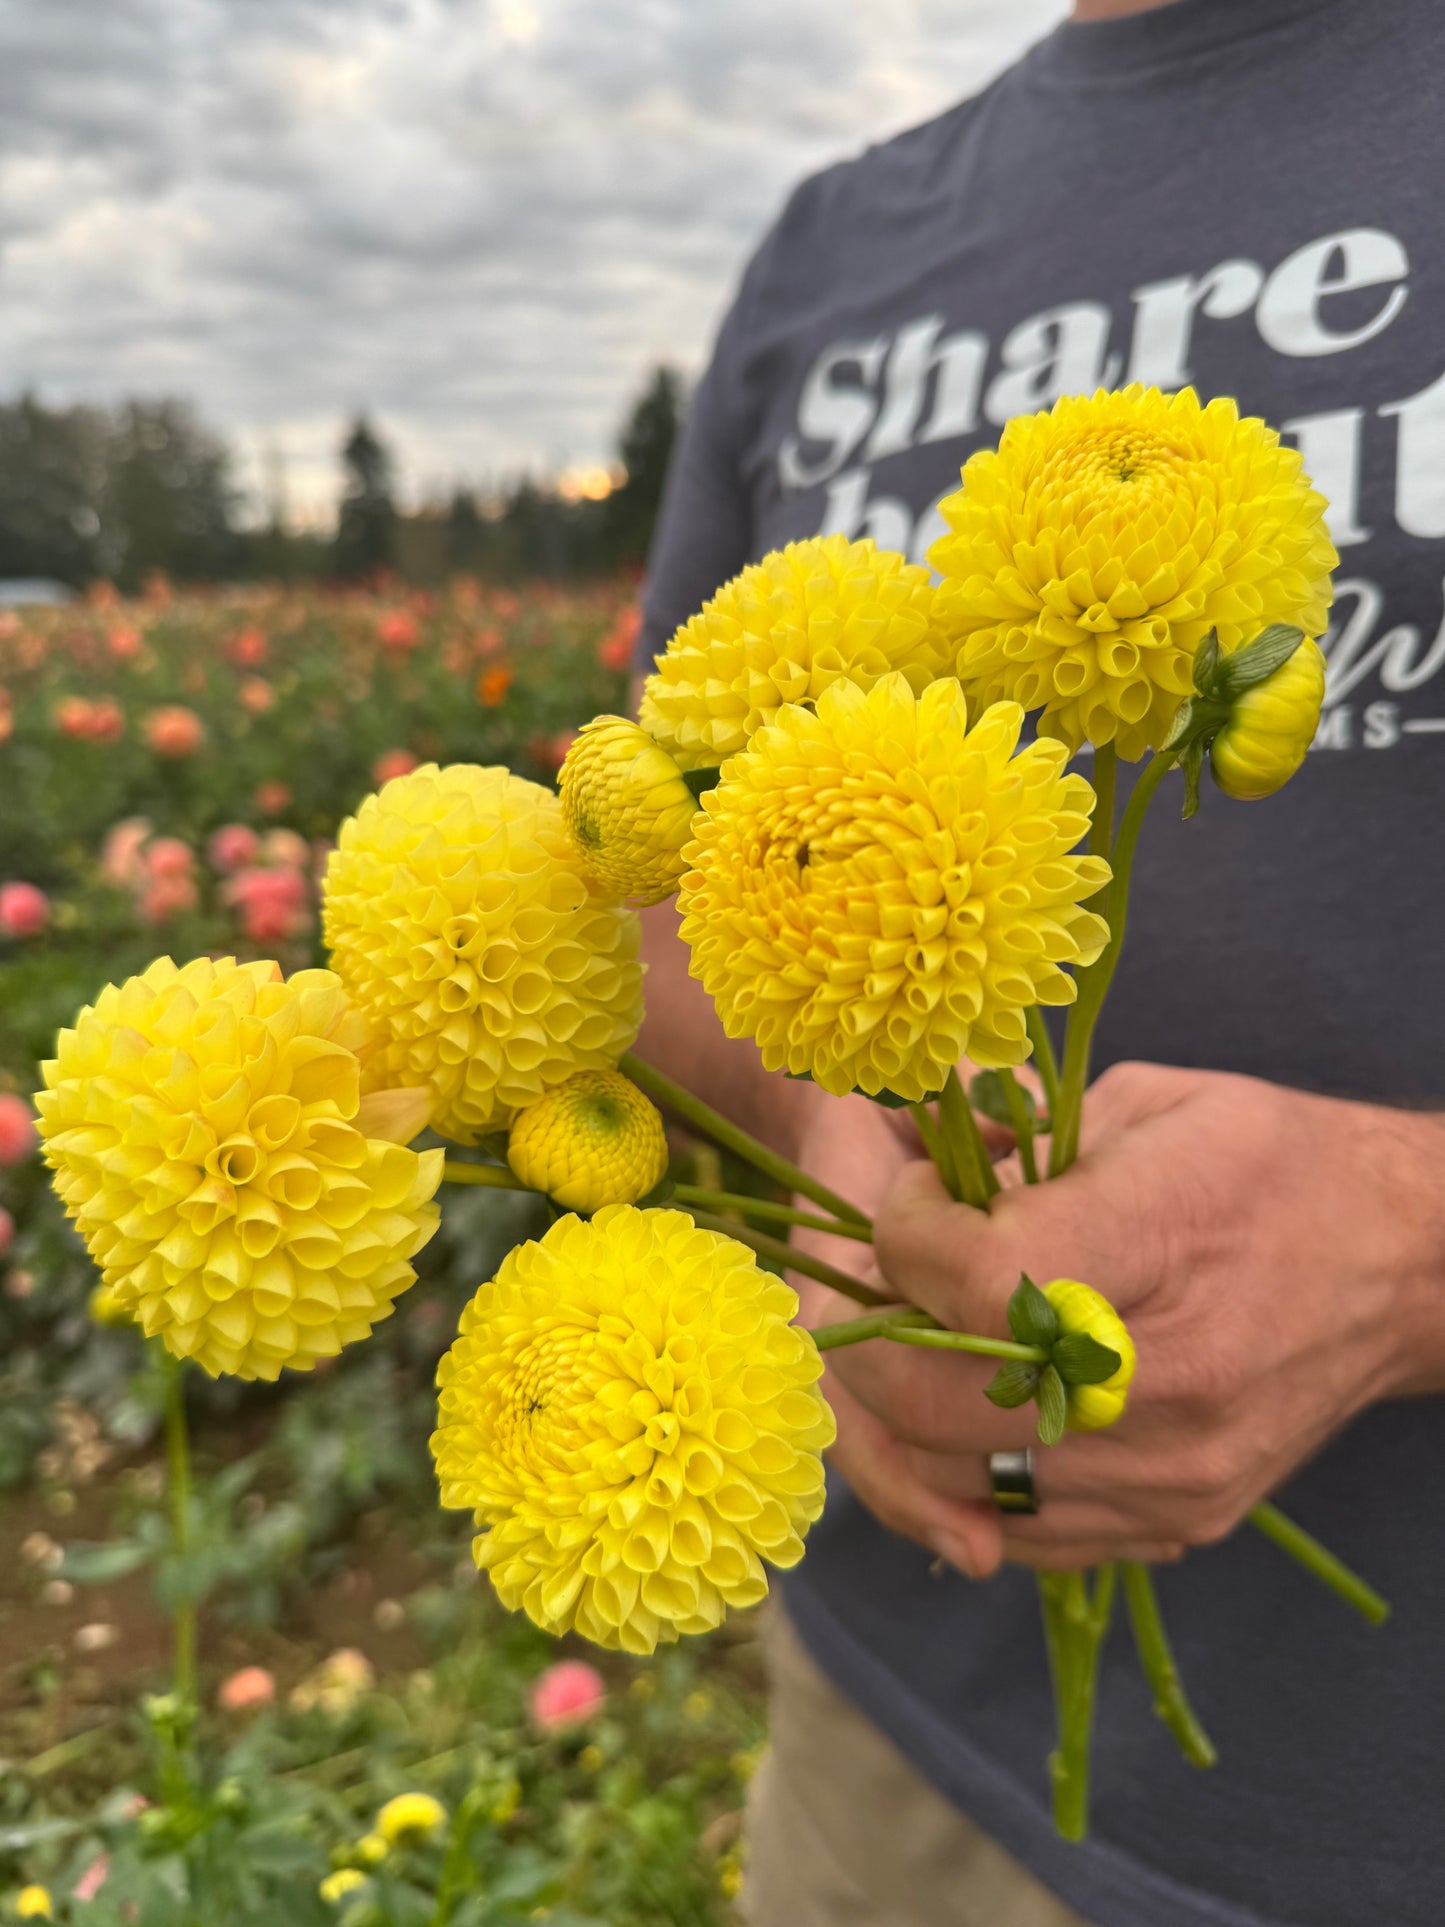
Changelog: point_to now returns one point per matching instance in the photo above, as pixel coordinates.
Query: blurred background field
(173, 770)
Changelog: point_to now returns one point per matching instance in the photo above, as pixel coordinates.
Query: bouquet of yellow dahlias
(879, 877)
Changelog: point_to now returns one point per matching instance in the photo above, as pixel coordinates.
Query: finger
(1073, 1521)
(962, 1264)
(877, 1469)
(1074, 1556)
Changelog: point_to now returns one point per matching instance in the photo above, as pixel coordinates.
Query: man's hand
(1279, 1258)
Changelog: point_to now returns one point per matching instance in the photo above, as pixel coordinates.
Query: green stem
(1156, 1656)
(1101, 829)
(1319, 1560)
(495, 1177)
(937, 1150)
(959, 1128)
(785, 1254)
(876, 1324)
(952, 1341)
(1045, 1063)
(733, 1138)
(1094, 982)
(1075, 1627)
(1023, 1124)
(178, 1485)
(458, 1863)
(691, 1194)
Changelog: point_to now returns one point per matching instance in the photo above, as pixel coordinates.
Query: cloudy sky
(483, 219)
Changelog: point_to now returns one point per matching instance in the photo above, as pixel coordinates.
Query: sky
(482, 220)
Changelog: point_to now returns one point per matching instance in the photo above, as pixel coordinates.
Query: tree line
(121, 493)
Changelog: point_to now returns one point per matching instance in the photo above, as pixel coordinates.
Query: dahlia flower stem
(178, 1485)
(934, 1145)
(495, 1177)
(961, 1135)
(1023, 1124)
(1046, 1064)
(1332, 1572)
(785, 1254)
(936, 1338)
(1101, 830)
(733, 1138)
(1156, 1656)
(876, 1324)
(717, 1201)
(1094, 982)
(1075, 1625)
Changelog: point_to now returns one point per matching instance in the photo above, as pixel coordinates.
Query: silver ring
(1011, 1474)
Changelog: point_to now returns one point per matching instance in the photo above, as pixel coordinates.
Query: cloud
(482, 219)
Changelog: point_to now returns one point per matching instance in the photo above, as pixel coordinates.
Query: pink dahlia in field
(247, 648)
(247, 1691)
(174, 731)
(390, 763)
(24, 910)
(272, 797)
(398, 630)
(121, 862)
(285, 848)
(257, 695)
(566, 1695)
(7, 1231)
(17, 1129)
(167, 897)
(124, 643)
(232, 847)
(169, 857)
(274, 905)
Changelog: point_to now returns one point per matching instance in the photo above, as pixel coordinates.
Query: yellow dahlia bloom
(785, 629)
(208, 1136)
(1090, 555)
(1270, 727)
(628, 809)
(877, 890)
(630, 1412)
(462, 922)
(595, 1140)
(410, 1820)
(1082, 1309)
(337, 1886)
(33, 1903)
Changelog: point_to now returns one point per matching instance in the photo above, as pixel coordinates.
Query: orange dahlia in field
(1090, 554)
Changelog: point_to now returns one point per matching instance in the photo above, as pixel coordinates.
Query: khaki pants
(842, 1832)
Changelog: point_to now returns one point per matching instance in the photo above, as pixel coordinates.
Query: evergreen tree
(366, 524)
(645, 448)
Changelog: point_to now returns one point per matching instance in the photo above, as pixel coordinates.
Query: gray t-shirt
(1245, 195)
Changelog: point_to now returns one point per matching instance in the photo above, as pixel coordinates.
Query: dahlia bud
(595, 1140)
(628, 808)
(1083, 1358)
(1270, 727)
(1083, 1312)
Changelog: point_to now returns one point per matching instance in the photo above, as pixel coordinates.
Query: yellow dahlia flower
(337, 1886)
(33, 1903)
(1270, 727)
(1090, 555)
(209, 1138)
(462, 922)
(877, 890)
(628, 809)
(785, 629)
(595, 1140)
(630, 1412)
(1082, 1309)
(410, 1820)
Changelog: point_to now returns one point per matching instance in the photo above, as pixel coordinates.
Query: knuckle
(1208, 1469)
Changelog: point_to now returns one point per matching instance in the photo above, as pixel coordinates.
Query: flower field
(172, 774)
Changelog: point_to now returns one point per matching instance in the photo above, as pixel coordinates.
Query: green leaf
(890, 1100)
(1053, 1407)
(1082, 1360)
(699, 780)
(1193, 767)
(987, 1095)
(1031, 1318)
(96, 1563)
(1014, 1383)
(1206, 662)
(1182, 724)
(1257, 661)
